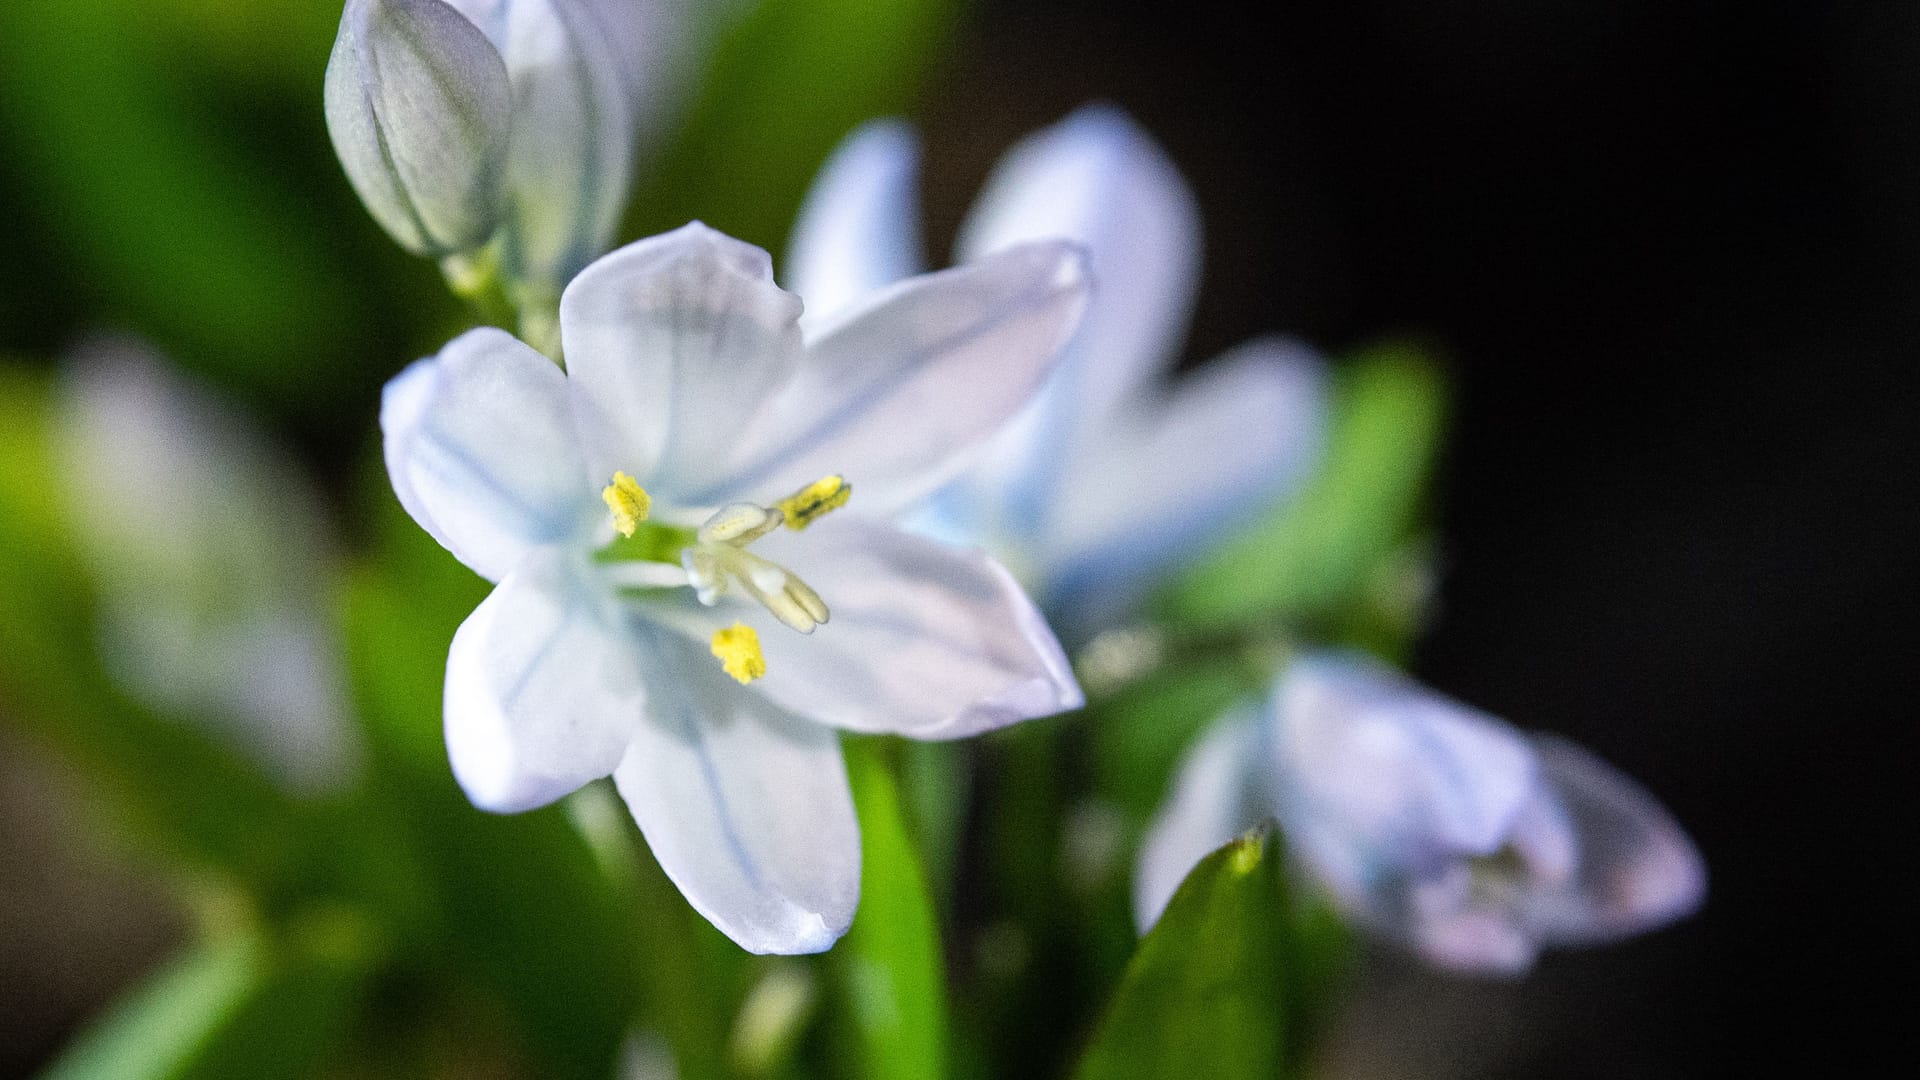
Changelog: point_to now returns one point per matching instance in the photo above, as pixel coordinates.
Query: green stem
(1258, 648)
(474, 276)
(538, 308)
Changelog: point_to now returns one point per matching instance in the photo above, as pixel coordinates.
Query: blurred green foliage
(1319, 551)
(198, 203)
(243, 1006)
(889, 966)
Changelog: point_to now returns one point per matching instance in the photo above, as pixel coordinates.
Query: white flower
(1428, 821)
(705, 659)
(1110, 476)
(464, 121)
(210, 561)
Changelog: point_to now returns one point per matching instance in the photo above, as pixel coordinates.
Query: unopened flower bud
(420, 108)
(570, 164)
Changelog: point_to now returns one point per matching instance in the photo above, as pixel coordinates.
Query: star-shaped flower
(696, 583)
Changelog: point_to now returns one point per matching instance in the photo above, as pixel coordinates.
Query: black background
(1673, 253)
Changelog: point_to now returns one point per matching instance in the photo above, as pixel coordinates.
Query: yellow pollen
(815, 501)
(628, 501)
(738, 650)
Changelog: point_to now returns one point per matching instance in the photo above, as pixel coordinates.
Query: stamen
(628, 501)
(815, 501)
(720, 560)
(739, 524)
(641, 574)
(738, 650)
(791, 600)
(703, 573)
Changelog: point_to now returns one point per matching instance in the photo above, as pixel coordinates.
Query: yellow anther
(815, 501)
(738, 650)
(628, 501)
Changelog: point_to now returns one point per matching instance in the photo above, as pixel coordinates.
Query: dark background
(1673, 253)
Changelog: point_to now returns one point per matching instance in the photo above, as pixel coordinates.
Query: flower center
(1499, 877)
(717, 561)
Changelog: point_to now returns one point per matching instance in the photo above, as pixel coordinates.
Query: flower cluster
(745, 562)
(688, 525)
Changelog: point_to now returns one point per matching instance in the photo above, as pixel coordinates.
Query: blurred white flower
(630, 511)
(461, 121)
(1112, 474)
(211, 560)
(1428, 821)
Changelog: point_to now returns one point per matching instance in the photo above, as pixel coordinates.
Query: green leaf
(888, 968)
(1322, 548)
(1205, 994)
(1320, 950)
(787, 83)
(246, 1006)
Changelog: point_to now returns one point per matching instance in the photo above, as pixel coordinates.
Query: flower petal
(543, 691)
(746, 807)
(1098, 179)
(896, 390)
(1634, 867)
(1178, 472)
(924, 640)
(481, 449)
(673, 344)
(859, 229)
(1404, 770)
(1216, 796)
(1387, 791)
